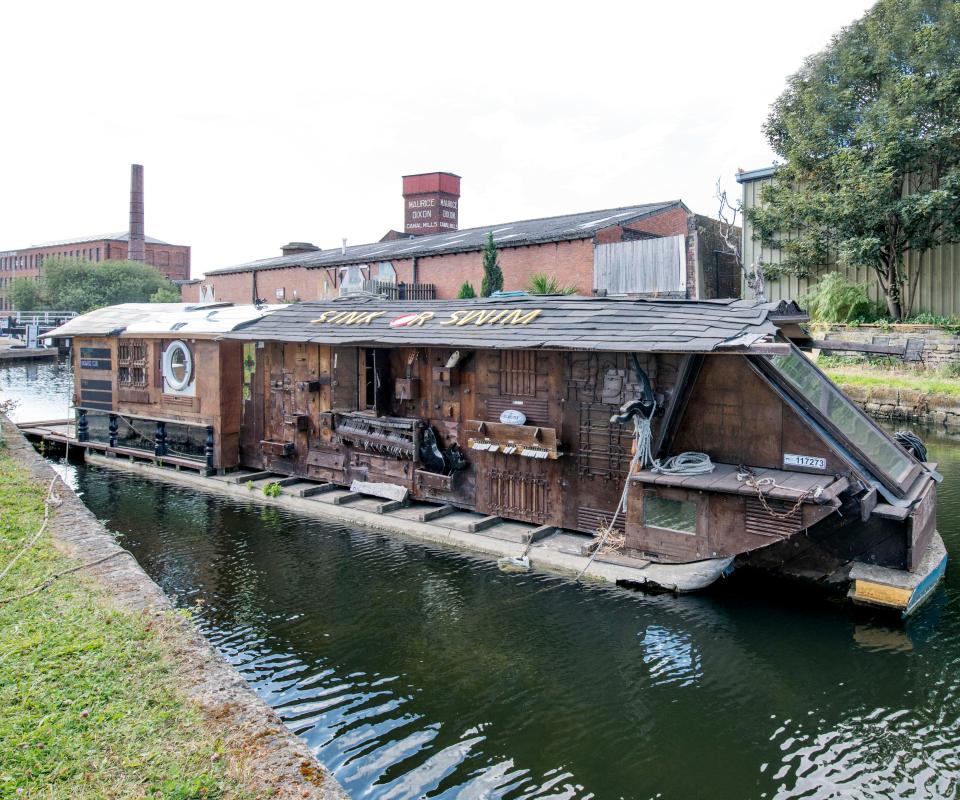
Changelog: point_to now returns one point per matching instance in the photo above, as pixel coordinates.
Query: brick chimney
(431, 203)
(293, 248)
(136, 250)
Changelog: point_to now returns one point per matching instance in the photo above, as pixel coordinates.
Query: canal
(414, 672)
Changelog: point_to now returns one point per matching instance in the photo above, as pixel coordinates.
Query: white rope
(689, 463)
(51, 500)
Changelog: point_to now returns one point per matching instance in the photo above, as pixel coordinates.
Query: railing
(401, 291)
(45, 319)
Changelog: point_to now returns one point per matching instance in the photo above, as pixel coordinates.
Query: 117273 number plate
(810, 462)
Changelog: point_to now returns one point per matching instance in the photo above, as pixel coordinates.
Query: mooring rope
(50, 500)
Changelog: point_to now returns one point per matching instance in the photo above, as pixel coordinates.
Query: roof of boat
(154, 318)
(527, 322)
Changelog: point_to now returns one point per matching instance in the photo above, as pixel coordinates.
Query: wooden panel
(518, 494)
(644, 266)
(923, 523)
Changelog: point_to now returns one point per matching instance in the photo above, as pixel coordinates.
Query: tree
(728, 216)
(541, 283)
(466, 291)
(869, 132)
(492, 274)
(75, 284)
(24, 294)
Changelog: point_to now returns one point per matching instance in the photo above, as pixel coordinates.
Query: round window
(178, 366)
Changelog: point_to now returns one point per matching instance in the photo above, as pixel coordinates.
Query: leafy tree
(492, 274)
(24, 294)
(466, 291)
(75, 284)
(541, 283)
(869, 132)
(166, 294)
(835, 299)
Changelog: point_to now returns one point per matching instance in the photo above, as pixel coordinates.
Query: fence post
(208, 448)
(83, 427)
(114, 428)
(160, 440)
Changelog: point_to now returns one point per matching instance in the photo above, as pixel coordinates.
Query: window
(671, 515)
(518, 373)
(871, 442)
(177, 366)
(132, 362)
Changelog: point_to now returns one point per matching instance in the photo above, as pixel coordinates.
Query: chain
(749, 477)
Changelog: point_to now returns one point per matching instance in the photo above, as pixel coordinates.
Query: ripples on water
(414, 672)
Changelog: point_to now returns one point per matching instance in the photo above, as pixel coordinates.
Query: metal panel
(645, 266)
(937, 291)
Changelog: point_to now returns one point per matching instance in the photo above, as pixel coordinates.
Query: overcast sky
(261, 123)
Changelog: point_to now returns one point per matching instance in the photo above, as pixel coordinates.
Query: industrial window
(132, 362)
(518, 373)
(883, 454)
(671, 515)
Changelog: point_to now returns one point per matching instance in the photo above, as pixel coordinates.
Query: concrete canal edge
(273, 760)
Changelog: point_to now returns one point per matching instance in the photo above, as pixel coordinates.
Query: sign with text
(809, 462)
(431, 213)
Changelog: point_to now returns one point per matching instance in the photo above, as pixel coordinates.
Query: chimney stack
(136, 250)
(431, 203)
(295, 248)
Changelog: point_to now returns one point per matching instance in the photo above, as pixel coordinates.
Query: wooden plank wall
(644, 266)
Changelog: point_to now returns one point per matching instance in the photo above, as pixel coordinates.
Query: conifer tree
(492, 274)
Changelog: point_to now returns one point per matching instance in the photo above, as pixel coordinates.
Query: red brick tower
(431, 203)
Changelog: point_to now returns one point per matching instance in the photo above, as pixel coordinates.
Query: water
(414, 672)
(41, 390)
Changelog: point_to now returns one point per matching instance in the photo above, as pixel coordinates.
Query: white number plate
(811, 462)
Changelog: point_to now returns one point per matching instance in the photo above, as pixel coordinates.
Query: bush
(466, 291)
(835, 299)
(541, 283)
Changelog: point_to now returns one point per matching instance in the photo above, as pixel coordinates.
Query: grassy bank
(89, 707)
(873, 378)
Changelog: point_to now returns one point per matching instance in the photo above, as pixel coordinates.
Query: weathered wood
(859, 347)
(343, 499)
(483, 524)
(322, 488)
(645, 266)
(435, 513)
(389, 507)
(250, 476)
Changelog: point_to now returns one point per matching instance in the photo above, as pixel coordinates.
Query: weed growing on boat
(272, 489)
(249, 485)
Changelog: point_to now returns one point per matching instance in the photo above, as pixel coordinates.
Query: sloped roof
(147, 318)
(561, 323)
(123, 236)
(506, 234)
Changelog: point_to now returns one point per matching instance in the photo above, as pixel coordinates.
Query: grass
(87, 692)
(921, 382)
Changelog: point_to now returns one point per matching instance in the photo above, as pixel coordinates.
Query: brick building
(610, 250)
(173, 260)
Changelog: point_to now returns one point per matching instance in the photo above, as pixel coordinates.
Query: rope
(749, 477)
(642, 456)
(152, 440)
(688, 463)
(57, 575)
(51, 500)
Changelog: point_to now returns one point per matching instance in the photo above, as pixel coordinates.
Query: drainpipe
(253, 284)
(415, 270)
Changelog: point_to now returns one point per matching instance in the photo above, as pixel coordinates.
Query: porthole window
(177, 366)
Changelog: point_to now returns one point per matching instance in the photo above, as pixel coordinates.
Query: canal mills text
(657, 443)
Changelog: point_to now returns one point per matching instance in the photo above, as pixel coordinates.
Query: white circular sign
(513, 417)
(177, 366)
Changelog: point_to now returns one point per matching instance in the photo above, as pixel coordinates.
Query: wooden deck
(789, 485)
(62, 431)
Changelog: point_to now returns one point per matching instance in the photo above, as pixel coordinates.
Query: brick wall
(938, 348)
(672, 222)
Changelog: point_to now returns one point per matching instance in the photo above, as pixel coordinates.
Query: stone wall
(910, 405)
(928, 346)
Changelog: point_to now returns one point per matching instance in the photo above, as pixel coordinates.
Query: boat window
(132, 362)
(849, 420)
(673, 515)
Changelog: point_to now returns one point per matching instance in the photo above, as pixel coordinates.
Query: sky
(263, 123)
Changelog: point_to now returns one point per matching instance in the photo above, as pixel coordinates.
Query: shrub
(541, 283)
(272, 489)
(466, 291)
(835, 299)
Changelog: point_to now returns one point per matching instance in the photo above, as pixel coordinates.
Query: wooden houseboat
(533, 408)
(156, 376)
(678, 433)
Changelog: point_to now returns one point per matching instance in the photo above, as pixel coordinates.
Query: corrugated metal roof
(151, 318)
(506, 234)
(123, 236)
(756, 174)
(562, 323)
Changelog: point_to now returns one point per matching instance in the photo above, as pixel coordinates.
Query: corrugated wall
(644, 266)
(938, 291)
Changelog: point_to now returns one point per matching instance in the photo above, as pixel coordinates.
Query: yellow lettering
(529, 317)
(454, 318)
(422, 317)
(511, 318)
(323, 317)
(497, 316)
(469, 317)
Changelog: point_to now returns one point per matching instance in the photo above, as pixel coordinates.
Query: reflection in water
(415, 672)
(42, 390)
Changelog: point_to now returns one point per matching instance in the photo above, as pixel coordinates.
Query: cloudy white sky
(261, 123)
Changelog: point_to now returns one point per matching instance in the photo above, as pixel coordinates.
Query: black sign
(94, 363)
(95, 352)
